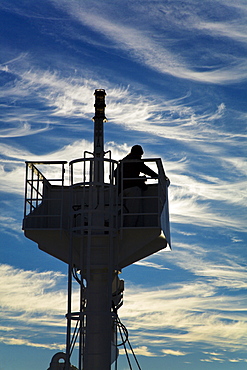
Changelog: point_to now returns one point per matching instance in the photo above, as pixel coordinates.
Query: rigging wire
(125, 339)
(120, 326)
(75, 275)
(74, 338)
(78, 329)
(125, 349)
(133, 353)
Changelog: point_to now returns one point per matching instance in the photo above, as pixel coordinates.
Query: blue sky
(175, 74)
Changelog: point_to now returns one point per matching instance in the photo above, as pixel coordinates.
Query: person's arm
(147, 171)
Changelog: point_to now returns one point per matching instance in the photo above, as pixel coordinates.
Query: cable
(120, 326)
(74, 338)
(124, 332)
(137, 363)
(75, 275)
(126, 352)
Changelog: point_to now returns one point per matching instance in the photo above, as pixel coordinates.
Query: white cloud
(9, 225)
(21, 129)
(31, 291)
(139, 351)
(147, 50)
(173, 352)
(68, 97)
(191, 311)
(199, 314)
(189, 207)
(228, 272)
(212, 359)
(196, 316)
(237, 359)
(25, 342)
(21, 56)
(4, 68)
(233, 30)
(12, 168)
(186, 193)
(151, 42)
(171, 120)
(146, 263)
(31, 299)
(73, 97)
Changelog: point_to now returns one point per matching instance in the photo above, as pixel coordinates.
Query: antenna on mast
(99, 119)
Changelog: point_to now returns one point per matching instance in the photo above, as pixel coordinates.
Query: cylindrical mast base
(97, 354)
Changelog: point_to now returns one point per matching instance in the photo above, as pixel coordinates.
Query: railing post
(25, 204)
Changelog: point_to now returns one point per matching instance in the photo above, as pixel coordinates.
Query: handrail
(82, 169)
(35, 182)
(46, 162)
(129, 206)
(87, 173)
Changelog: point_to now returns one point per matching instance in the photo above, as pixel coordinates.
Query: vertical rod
(98, 329)
(62, 199)
(37, 192)
(81, 329)
(82, 272)
(25, 205)
(98, 119)
(70, 267)
(68, 336)
(31, 194)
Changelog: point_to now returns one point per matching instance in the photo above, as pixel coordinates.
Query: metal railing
(88, 170)
(37, 187)
(95, 177)
(93, 194)
(142, 207)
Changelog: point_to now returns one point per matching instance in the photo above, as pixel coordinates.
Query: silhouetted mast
(87, 225)
(99, 119)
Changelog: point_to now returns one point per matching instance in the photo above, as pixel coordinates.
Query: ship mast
(86, 225)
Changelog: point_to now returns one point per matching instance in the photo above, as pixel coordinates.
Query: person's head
(137, 151)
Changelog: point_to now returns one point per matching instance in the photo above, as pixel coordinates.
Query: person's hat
(137, 149)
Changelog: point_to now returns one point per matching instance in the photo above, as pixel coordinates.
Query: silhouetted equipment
(83, 222)
(58, 362)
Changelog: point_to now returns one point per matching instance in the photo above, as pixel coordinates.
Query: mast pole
(97, 353)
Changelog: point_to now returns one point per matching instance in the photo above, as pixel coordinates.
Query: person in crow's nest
(131, 184)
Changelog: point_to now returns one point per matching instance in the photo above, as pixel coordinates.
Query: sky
(175, 74)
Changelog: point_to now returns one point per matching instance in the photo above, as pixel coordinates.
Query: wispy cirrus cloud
(199, 315)
(12, 163)
(151, 264)
(71, 97)
(206, 313)
(31, 299)
(171, 120)
(223, 271)
(186, 192)
(142, 44)
(139, 351)
(13, 341)
(194, 318)
(34, 286)
(232, 30)
(19, 129)
(150, 43)
(173, 352)
(9, 225)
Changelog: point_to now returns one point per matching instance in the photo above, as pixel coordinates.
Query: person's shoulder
(128, 157)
